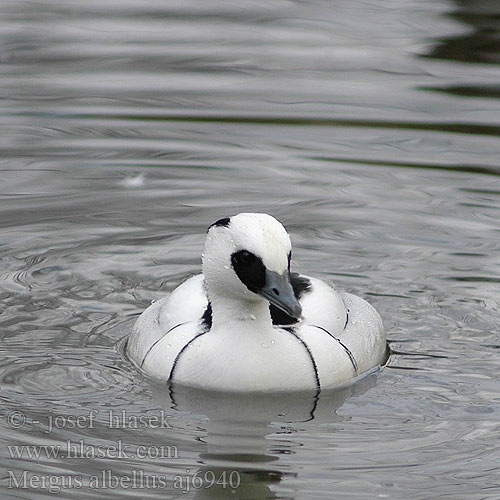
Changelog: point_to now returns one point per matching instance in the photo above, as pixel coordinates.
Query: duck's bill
(279, 292)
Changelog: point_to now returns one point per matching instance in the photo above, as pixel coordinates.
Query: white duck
(249, 324)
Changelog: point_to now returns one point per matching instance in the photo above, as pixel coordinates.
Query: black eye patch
(250, 270)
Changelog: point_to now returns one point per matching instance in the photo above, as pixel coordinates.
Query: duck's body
(236, 328)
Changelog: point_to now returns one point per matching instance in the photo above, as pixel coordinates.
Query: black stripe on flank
(346, 314)
(346, 349)
(346, 317)
(314, 365)
(180, 354)
(156, 342)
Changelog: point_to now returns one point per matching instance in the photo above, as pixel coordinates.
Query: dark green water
(371, 129)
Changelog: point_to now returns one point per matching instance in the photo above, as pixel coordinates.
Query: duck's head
(247, 258)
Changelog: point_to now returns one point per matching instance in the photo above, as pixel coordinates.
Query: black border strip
(307, 348)
(346, 349)
(156, 342)
(169, 380)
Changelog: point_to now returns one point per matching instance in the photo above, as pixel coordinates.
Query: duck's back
(184, 305)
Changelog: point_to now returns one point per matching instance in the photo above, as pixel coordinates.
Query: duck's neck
(235, 313)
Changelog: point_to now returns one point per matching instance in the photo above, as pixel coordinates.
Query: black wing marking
(301, 286)
(206, 322)
(181, 352)
(346, 349)
(158, 340)
(311, 357)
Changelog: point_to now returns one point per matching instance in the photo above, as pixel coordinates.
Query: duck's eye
(249, 269)
(245, 258)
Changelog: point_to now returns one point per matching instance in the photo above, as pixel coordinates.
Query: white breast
(170, 341)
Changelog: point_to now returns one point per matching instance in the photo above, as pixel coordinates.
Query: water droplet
(264, 345)
(226, 267)
(168, 346)
(252, 317)
(272, 341)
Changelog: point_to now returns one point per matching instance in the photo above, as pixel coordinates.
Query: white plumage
(249, 324)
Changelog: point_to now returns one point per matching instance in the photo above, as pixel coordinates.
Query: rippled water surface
(369, 128)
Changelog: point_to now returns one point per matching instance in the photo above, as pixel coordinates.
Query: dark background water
(370, 128)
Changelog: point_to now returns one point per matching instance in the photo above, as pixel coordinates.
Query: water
(371, 129)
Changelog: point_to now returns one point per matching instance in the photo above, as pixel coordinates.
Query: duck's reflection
(244, 440)
(480, 44)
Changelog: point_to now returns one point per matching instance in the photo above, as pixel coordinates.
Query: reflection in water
(237, 446)
(482, 43)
